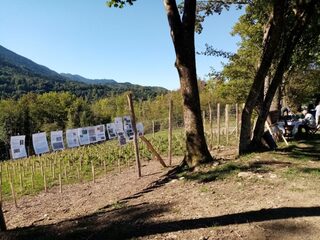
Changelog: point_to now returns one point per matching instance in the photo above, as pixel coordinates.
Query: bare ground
(265, 196)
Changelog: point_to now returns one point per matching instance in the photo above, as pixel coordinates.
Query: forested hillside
(19, 75)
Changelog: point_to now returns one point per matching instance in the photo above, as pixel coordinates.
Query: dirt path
(267, 196)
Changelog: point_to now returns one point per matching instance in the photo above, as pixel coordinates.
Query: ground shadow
(137, 221)
(227, 169)
(306, 149)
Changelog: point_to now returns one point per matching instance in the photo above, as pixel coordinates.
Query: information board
(72, 138)
(40, 143)
(57, 140)
(111, 130)
(18, 147)
(83, 134)
(100, 132)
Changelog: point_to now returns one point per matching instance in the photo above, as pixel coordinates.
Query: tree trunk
(3, 226)
(182, 33)
(291, 42)
(271, 41)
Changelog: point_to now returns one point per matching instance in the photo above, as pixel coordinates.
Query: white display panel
(57, 140)
(40, 143)
(127, 127)
(111, 130)
(140, 129)
(83, 134)
(18, 146)
(100, 133)
(92, 134)
(72, 138)
(118, 124)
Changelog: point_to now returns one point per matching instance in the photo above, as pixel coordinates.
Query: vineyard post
(45, 181)
(136, 148)
(218, 124)
(13, 192)
(119, 156)
(237, 120)
(153, 128)
(210, 123)
(93, 172)
(227, 123)
(170, 133)
(60, 183)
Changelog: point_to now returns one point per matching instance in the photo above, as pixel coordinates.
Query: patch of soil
(246, 204)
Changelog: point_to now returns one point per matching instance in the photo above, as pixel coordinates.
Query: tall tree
(182, 30)
(284, 32)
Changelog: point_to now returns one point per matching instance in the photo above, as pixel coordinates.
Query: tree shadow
(306, 149)
(225, 170)
(138, 221)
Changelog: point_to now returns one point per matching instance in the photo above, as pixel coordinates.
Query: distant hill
(20, 75)
(79, 78)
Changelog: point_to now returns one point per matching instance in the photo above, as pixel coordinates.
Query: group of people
(307, 119)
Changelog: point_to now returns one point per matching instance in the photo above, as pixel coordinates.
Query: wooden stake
(135, 139)
(218, 124)
(151, 148)
(153, 128)
(105, 167)
(21, 181)
(45, 181)
(170, 133)
(211, 126)
(60, 183)
(32, 178)
(13, 192)
(119, 156)
(93, 173)
(227, 123)
(78, 173)
(237, 120)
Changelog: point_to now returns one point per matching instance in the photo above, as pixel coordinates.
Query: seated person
(308, 122)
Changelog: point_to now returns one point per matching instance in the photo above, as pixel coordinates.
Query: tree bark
(292, 40)
(182, 34)
(271, 41)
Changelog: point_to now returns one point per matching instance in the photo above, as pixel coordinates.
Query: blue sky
(87, 38)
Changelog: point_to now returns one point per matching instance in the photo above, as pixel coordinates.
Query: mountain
(79, 78)
(20, 75)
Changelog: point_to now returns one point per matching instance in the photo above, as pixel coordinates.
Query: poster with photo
(127, 126)
(72, 138)
(83, 134)
(57, 140)
(118, 124)
(40, 143)
(100, 132)
(92, 134)
(140, 129)
(111, 130)
(18, 147)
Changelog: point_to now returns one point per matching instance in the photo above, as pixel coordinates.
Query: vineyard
(31, 175)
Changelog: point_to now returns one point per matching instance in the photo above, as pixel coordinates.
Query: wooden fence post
(218, 124)
(135, 136)
(170, 133)
(227, 123)
(237, 121)
(211, 127)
